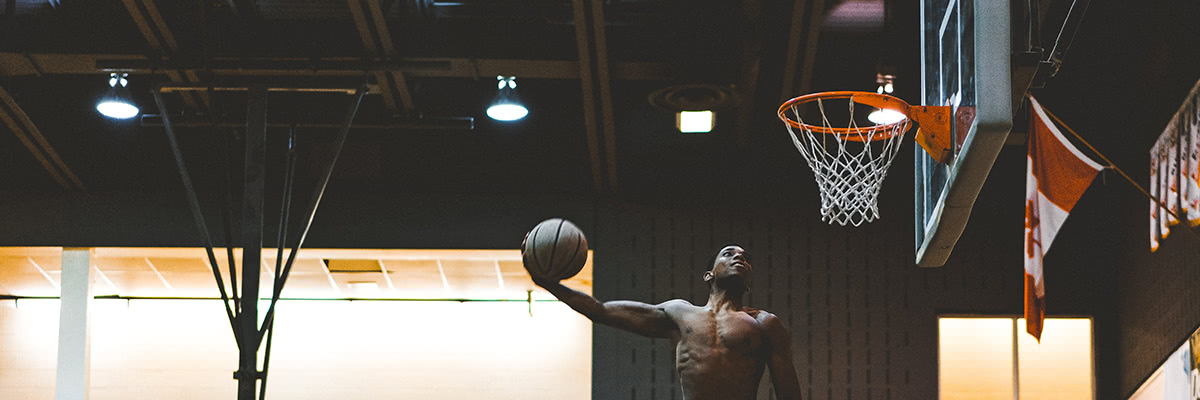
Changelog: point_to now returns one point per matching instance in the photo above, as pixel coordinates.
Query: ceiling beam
(816, 18)
(607, 121)
(369, 40)
(158, 36)
(583, 45)
(17, 64)
(792, 54)
(751, 59)
(398, 82)
(31, 137)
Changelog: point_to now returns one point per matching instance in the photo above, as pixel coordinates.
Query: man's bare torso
(720, 354)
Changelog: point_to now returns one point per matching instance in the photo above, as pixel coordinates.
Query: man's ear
(708, 276)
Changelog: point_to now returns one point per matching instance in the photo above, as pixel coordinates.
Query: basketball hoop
(850, 162)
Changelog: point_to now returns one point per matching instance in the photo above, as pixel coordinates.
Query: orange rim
(881, 101)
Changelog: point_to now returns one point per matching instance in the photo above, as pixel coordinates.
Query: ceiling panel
(20, 277)
(471, 276)
(179, 272)
(183, 265)
(307, 279)
(192, 284)
(416, 278)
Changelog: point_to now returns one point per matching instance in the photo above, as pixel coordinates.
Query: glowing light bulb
(886, 116)
(507, 112)
(117, 109)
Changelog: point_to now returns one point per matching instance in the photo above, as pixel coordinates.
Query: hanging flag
(1155, 209)
(1058, 174)
(1175, 170)
(1173, 181)
(1165, 220)
(1191, 154)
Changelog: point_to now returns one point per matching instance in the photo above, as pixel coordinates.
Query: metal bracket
(933, 133)
(238, 375)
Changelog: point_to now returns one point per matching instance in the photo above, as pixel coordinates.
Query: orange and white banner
(1155, 209)
(1191, 158)
(1163, 197)
(1058, 174)
(1175, 171)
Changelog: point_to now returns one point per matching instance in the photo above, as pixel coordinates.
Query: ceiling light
(886, 83)
(694, 121)
(117, 109)
(507, 112)
(885, 116)
(116, 102)
(507, 106)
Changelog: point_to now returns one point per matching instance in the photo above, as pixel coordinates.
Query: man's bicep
(651, 320)
(783, 371)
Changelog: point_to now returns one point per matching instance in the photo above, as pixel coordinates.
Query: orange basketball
(555, 249)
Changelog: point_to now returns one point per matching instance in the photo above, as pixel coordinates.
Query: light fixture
(115, 103)
(885, 82)
(885, 116)
(694, 121)
(507, 106)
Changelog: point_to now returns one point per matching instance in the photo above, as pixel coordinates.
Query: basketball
(555, 250)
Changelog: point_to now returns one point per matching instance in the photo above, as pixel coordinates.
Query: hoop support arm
(933, 133)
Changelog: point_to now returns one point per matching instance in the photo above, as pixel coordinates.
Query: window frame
(1015, 344)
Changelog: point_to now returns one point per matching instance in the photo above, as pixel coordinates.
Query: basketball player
(721, 348)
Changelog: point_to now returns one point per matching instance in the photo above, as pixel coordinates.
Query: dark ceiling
(432, 64)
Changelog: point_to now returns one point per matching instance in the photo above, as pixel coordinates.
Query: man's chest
(738, 333)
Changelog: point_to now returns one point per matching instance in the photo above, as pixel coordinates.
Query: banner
(1175, 171)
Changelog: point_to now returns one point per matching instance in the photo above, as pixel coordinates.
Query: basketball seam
(533, 247)
(554, 246)
(566, 266)
(578, 241)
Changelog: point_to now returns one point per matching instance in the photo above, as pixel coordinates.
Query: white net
(849, 166)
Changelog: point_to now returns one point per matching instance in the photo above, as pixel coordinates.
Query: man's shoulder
(678, 303)
(762, 316)
(678, 306)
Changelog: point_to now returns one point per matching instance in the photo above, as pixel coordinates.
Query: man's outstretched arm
(783, 373)
(637, 317)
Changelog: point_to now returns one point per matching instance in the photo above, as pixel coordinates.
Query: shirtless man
(721, 348)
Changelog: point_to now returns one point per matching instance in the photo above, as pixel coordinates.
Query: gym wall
(184, 349)
(863, 318)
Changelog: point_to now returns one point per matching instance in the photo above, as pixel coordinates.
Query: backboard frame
(941, 216)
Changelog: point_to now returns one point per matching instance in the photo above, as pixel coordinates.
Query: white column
(74, 348)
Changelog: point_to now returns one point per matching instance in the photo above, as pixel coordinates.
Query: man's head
(730, 266)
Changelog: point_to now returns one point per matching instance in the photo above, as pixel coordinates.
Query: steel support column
(252, 239)
(245, 320)
(351, 111)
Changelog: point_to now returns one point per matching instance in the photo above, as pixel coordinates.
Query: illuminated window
(990, 358)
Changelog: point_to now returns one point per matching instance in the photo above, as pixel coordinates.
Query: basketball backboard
(966, 64)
